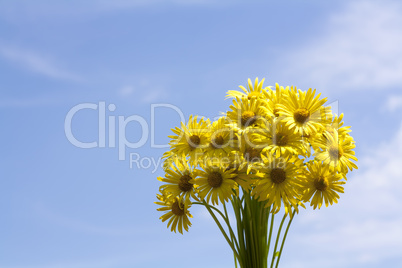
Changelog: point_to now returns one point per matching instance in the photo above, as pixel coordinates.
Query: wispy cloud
(393, 103)
(154, 95)
(365, 227)
(360, 48)
(35, 63)
(24, 103)
(102, 262)
(145, 90)
(80, 225)
(107, 5)
(18, 10)
(126, 91)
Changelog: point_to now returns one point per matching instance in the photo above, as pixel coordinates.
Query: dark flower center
(278, 175)
(215, 179)
(281, 139)
(320, 183)
(301, 115)
(194, 141)
(248, 118)
(217, 142)
(252, 155)
(176, 209)
(335, 152)
(184, 184)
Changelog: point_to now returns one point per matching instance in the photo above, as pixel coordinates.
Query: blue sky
(68, 207)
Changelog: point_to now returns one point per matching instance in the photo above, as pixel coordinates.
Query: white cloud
(35, 63)
(393, 103)
(126, 91)
(154, 95)
(20, 103)
(360, 48)
(365, 227)
(108, 5)
(17, 10)
(102, 262)
(145, 89)
(68, 222)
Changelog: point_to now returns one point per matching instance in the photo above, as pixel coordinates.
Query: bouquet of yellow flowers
(274, 148)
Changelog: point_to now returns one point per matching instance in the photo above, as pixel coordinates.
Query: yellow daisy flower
(222, 141)
(321, 185)
(176, 212)
(279, 182)
(191, 139)
(336, 151)
(215, 182)
(167, 157)
(179, 179)
(253, 91)
(246, 113)
(249, 154)
(335, 123)
(242, 178)
(278, 139)
(276, 98)
(302, 111)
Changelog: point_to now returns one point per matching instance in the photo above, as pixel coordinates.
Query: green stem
(277, 239)
(248, 230)
(232, 235)
(236, 203)
(251, 245)
(209, 208)
(264, 227)
(284, 237)
(270, 235)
